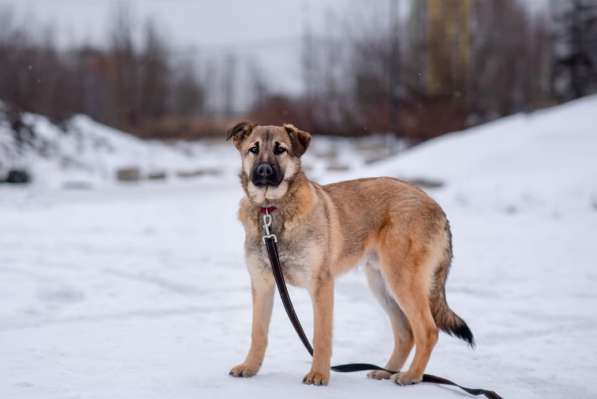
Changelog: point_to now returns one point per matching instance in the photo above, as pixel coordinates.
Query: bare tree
(154, 75)
(229, 84)
(188, 94)
(258, 82)
(124, 71)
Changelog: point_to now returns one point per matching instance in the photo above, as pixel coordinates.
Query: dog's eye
(279, 149)
(254, 149)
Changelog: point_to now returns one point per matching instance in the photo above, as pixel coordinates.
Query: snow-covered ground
(140, 291)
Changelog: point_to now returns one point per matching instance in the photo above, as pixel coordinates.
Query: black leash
(270, 241)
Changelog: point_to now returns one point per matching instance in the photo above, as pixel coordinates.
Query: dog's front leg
(322, 294)
(262, 290)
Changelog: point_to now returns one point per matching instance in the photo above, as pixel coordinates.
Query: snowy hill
(142, 292)
(545, 160)
(84, 151)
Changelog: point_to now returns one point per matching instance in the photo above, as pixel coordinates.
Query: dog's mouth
(265, 183)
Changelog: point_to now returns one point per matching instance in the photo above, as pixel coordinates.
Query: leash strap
(432, 379)
(272, 253)
(270, 241)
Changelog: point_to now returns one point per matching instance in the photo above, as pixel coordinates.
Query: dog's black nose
(264, 170)
(266, 174)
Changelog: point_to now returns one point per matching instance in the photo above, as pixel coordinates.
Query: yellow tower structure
(448, 43)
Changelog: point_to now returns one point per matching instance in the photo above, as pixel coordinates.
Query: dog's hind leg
(403, 337)
(407, 270)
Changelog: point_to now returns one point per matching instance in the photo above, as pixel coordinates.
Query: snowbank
(543, 161)
(87, 152)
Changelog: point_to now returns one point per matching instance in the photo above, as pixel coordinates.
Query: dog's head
(270, 158)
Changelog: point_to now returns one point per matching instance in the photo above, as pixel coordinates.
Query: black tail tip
(463, 332)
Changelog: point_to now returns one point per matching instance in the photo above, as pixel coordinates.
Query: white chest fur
(298, 259)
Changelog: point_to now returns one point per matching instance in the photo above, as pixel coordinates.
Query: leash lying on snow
(270, 240)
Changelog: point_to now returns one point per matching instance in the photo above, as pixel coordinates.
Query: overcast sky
(268, 29)
(202, 22)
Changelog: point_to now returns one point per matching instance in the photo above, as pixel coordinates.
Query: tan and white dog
(323, 231)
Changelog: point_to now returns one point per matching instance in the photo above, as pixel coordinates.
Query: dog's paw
(406, 378)
(317, 378)
(379, 375)
(243, 370)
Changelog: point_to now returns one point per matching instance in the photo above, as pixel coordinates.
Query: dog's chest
(295, 265)
(298, 257)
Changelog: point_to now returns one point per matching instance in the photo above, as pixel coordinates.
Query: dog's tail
(445, 318)
(450, 322)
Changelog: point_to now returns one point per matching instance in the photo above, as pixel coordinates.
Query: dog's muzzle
(266, 174)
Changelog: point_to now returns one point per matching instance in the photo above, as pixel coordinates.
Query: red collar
(268, 209)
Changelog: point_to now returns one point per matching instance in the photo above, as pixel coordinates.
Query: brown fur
(324, 231)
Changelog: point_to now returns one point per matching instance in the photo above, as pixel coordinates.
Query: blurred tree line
(446, 65)
(131, 86)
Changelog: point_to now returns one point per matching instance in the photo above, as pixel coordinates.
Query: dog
(401, 234)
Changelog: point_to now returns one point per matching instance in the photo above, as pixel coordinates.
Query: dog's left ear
(239, 132)
(300, 139)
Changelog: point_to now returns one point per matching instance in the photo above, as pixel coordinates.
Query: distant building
(442, 29)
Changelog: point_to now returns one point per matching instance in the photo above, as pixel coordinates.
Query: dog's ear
(300, 139)
(239, 132)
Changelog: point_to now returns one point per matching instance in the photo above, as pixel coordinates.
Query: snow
(86, 152)
(541, 162)
(82, 153)
(139, 291)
